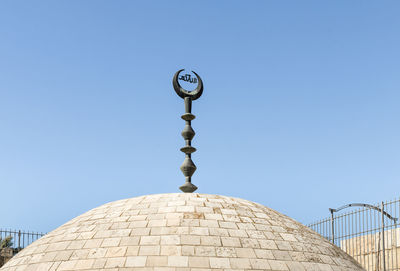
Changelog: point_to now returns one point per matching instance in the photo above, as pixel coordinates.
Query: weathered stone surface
(182, 232)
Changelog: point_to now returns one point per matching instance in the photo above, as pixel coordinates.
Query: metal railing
(20, 239)
(371, 234)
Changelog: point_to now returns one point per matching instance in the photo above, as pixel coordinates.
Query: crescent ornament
(193, 95)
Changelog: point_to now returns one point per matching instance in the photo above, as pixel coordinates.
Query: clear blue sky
(300, 110)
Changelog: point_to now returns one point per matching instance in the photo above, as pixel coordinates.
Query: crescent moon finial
(188, 167)
(195, 94)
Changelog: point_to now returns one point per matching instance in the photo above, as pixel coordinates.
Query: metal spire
(188, 167)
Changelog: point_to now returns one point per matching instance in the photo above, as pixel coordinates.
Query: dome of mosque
(182, 232)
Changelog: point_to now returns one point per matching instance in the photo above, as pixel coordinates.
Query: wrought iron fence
(20, 239)
(371, 234)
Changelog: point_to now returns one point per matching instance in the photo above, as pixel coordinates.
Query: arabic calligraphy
(188, 78)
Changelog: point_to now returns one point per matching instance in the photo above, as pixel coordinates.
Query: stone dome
(181, 232)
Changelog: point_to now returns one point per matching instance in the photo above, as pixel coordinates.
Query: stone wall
(367, 250)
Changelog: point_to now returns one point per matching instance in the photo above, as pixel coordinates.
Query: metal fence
(371, 234)
(20, 239)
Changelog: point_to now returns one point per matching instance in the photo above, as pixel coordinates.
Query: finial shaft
(188, 105)
(188, 167)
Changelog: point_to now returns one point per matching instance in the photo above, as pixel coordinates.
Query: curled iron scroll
(195, 94)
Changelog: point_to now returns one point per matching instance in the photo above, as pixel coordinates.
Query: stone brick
(170, 240)
(204, 251)
(178, 261)
(190, 240)
(187, 250)
(264, 254)
(228, 225)
(84, 264)
(157, 261)
(227, 252)
(230, 242)
(210, 241)
(240, 263)
(260, 264)
(150, 240)
(171, 250)
(199, 231)
(132, 251)
(245, 253)
(199, 262)
(149, 250)
(278, 265)
(110, 242)
(63, 255)
(116, 252)
(130, 241)
(97, 252)
(138, 261)
(79, 254)
(219, 262)
(295, 266)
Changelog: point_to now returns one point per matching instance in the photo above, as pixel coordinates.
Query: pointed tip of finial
(188, 188)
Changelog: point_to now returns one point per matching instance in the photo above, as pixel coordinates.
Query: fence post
(383, 237)
(19, 239)
(332, 227)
